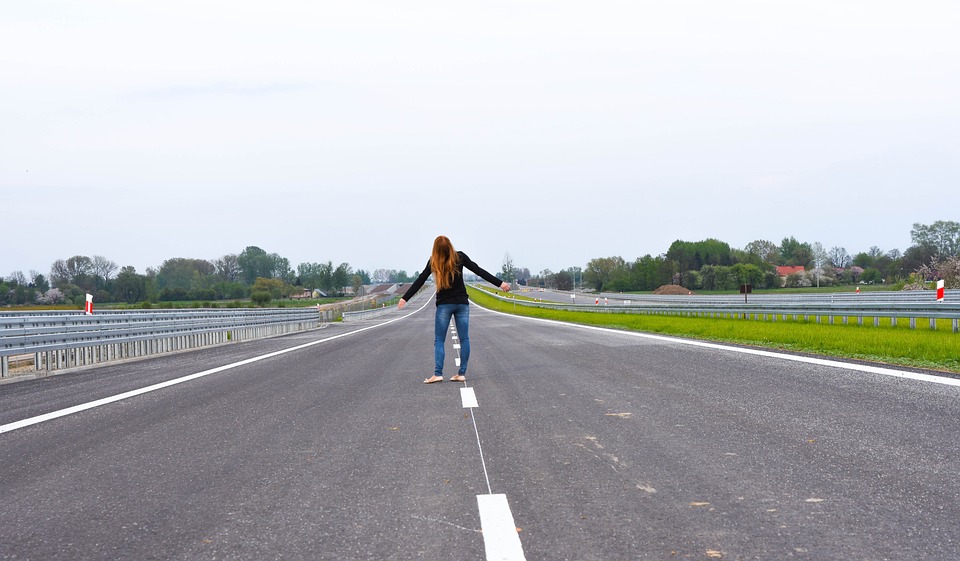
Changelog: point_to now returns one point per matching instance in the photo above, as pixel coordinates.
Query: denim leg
(440, 325)
(461, 317)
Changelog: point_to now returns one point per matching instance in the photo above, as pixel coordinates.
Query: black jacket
(457, 293)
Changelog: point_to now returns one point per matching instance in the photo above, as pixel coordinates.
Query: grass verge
(917, 348)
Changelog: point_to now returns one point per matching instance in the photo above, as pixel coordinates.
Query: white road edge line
(500, 537)
(770, 354)
(133, 393)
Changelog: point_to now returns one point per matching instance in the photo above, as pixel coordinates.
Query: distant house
(786, 271)
(853, 271)
(308, 293)
(383, 289)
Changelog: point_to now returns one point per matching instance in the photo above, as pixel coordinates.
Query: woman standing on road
(446, 265)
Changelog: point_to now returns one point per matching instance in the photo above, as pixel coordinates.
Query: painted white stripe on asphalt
(500, 537)
(770, 354)
(469, 398)
(133, 393)
(457, 360)
(456, 346)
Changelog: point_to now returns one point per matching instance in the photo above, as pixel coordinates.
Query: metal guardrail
(367, 314)
(65, 339)
(817, 306)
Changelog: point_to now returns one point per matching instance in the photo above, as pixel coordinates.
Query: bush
(260, 297)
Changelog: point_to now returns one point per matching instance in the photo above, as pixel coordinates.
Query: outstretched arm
(470, 264)
(417, 285)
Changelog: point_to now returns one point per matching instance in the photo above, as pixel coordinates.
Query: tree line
(252, 273)
(703, 265)
(713, 265)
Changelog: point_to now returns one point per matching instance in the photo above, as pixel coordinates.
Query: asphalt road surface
(582, 443)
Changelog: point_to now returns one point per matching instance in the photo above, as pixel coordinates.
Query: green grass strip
(895, 345)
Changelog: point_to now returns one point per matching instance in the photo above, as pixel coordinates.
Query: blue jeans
(461, 317)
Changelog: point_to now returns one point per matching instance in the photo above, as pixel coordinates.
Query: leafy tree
(129, 286)
(185, 274)
(255, 262)
(562, 280)
(692, 256)
(795, 253)
(871, 276)
(309, 275)
(646, 273)
(39, 282)
(763, 251)
(260, 297)
(864, 260)
(341, 277)
(746, 273)
(942, 235)
(601, 270)
(692, 279)
(364, 276)
(325, 276)
(918, 255)
(717, 277)
(58, 273)
(276, 288)
(80, 268)
(224, 290)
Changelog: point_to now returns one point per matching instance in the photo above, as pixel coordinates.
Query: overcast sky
(554, 131)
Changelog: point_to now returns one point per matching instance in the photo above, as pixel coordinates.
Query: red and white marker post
(89, 308)
(940, 290)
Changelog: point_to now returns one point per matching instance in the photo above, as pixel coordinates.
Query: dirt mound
(672, 289)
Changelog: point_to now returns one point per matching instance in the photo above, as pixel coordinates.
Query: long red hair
(443, 262)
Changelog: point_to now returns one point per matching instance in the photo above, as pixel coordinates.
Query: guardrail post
(4, 366)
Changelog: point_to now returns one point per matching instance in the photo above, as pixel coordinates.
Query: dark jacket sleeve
(418, 284)
(477, 269)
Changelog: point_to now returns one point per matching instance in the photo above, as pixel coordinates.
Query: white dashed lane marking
(500, 537)
(469, 398)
